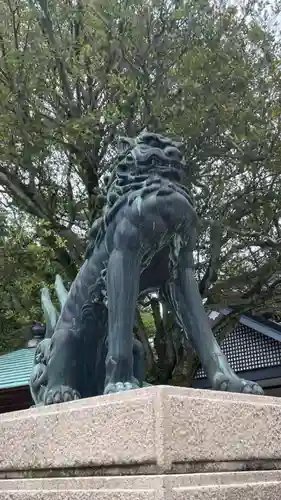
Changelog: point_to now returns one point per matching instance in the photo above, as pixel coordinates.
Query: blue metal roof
(15, 368)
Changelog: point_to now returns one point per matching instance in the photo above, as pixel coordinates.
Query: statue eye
(154, 143)
(151, 140)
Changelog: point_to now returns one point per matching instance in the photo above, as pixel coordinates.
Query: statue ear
(124, 144)
(180, 146)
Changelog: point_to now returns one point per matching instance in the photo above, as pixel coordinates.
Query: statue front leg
(184, 296)
(123, 275)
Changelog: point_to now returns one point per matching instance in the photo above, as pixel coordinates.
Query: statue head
(148, 153)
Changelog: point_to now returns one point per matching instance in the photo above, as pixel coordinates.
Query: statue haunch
(144, 241)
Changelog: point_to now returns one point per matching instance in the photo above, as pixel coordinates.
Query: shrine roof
(15, 368)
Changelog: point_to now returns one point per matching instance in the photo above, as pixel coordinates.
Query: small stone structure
(156, 443)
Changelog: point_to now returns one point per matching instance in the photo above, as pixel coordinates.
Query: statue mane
(141, 163)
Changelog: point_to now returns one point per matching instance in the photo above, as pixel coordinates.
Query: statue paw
(235, 384)
(60, 394)
(112, 388)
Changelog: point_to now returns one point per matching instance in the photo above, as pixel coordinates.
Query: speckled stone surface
(217, 486)
(158, 428)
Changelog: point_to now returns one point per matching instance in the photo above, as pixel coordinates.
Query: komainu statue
(143, 242)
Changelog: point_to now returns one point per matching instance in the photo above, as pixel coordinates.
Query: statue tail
(50, 312)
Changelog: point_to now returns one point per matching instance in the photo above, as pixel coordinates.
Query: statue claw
(235, 384)
(112, 388)
(60, 394)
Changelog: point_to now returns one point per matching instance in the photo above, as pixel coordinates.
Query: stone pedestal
(155, 443)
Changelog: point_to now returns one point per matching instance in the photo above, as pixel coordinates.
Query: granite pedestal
(155, 443)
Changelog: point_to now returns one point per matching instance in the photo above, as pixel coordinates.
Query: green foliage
(149, 324)
(26, 266)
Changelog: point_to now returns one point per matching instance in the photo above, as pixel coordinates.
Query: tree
(74, 75)
(26, 266)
